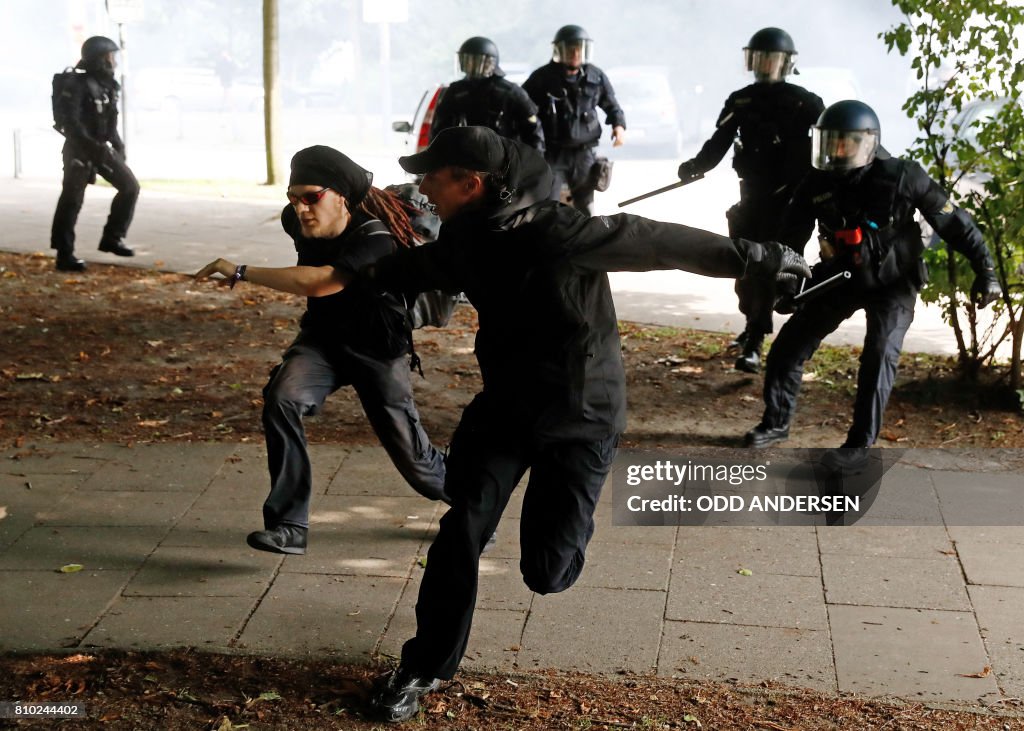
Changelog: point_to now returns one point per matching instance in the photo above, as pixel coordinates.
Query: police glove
(985, 289)
(774, 260)
(688, 170)
(786, 291)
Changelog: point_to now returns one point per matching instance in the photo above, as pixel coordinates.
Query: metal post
(17, 153)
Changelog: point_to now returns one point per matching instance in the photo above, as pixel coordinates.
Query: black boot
(764, 436)
(750, 360)
(68, 262)
(117, 248)
(282, 539)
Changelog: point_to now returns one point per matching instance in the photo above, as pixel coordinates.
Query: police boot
(764, 436)
(117, 248)
(846, 460)
(68, 262)
(750, 360)
(739, 341)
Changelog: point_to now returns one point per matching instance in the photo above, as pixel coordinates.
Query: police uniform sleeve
(444, 114)
(715, 148)
(527, 120)
(950, 222)
(615, 116)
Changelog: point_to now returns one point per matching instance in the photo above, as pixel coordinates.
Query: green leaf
(269, 695)
(422, 561)
(744, 572)
(71, 568)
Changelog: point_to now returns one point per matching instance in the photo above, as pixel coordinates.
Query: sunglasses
(310, 199)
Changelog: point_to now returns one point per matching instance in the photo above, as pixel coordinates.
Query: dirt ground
(132, 355)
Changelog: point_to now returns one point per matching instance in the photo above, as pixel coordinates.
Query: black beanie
(325, 166)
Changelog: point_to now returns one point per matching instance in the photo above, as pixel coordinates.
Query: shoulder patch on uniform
(823, 197)
(532, 118)
(948, 208)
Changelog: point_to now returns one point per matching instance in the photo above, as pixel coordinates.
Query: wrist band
(238, 276)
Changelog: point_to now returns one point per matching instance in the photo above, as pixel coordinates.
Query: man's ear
(474, 186)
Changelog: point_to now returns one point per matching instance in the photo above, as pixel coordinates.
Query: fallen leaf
(985, 672)
(71, 568)
(744, 572)
(153, 422)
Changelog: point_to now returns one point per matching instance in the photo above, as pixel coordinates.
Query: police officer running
(864, 203)
(768, 123)
(567, 91)
(486, 98)
(553, 400)
(92, 146)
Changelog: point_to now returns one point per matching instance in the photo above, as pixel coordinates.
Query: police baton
(666, 189)
(819, 289)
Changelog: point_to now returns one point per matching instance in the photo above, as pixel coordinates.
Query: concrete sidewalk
(160, 529)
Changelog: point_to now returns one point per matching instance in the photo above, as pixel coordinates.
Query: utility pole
(271, 94)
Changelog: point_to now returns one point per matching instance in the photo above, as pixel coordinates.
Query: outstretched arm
(302, 280)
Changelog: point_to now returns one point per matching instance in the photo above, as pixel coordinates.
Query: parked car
(652, 115)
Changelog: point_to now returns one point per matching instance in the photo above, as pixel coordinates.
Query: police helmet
(97, 46)
(770, 55)
(846, 137)
(478, 57)
(568, 40)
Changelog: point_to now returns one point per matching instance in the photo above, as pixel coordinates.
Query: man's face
(573, 55)
(111, 60)
(449, 194)
(323, 213)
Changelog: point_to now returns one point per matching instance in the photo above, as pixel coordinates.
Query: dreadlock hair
(392, 212)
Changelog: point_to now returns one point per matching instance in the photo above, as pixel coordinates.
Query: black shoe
(764, 436)
(117, 248)
(70, 263)
(846, 460)
(738, 342)
(749, 362)
(282, 539)
(397, 699)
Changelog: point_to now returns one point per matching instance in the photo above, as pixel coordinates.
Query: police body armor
(869, 230)
(773, 141)
(491, 112)
(569, 115)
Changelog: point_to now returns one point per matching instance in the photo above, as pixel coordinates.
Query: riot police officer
(486, 98)
(865, 205)
(93, 146)
(567, 91)
(768, 122)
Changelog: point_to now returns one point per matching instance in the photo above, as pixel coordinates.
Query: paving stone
(886, 581)
(368, 536)
(501, 585)
(721, 595)
(343, 616)
(906, 497)
(798, 657)
(161, 467)
(25, 484)
(96, 548)
(208, 623)
(45, 610)
(198, 571)
(117, 508)
(1000, 612)
(993, 564)
(893, 541)
(789, 550)
(626, 566)
(987, 533)
(560, 624)
(54, 459)
(494, 641)
(402, 624)
(214, 528)
(909, 653)
(972, 498)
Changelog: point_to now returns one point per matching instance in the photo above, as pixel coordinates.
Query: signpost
(384, 13)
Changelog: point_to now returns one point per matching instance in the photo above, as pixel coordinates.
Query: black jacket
(493, 102)
(548, 342)
(770, 125)
(92, 114)
(567, 105)
(882, 202)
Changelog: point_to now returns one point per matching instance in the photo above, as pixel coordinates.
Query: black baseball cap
(474, 148)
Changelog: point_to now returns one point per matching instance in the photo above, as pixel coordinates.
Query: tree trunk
(271, 95)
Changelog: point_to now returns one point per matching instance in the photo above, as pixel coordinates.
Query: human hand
(985, 289)
(688, 170)
(618, 135)
(220, 266)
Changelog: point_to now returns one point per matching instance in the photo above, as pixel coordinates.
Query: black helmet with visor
(770, 54)
(846, 137)
(478, 57)
(569, 41)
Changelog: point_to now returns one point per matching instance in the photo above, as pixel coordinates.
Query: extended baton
(659, 191)
(818, 289)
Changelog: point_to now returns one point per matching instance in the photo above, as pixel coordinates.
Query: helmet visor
(843, 149)
(476, 65)
(573, 53)
(768, 65)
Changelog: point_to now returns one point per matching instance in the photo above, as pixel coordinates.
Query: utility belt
(878, 256)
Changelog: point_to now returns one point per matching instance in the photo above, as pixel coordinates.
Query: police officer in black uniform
(93, 146)
(768, 123)
(486, 98)
(865, 204)
(567, 92)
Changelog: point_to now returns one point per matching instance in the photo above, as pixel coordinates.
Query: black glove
(785, 291)
(774, 260)
(985, 289)
(688, 170)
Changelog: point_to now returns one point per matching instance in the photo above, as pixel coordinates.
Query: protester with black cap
(553, 400)
(352, 336)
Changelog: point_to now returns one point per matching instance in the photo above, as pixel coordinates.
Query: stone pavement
(911, 611)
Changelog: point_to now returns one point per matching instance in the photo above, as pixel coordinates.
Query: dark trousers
(485, 462)
(571, 166)
(79, 171)
(888, 312)
(299, 386)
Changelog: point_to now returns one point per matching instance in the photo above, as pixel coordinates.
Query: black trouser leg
(484, 466)
(385, 391)
(580, 182)
(77, 173)
(297, 388)
(797, 341)
(754, 220)
(122, 209)
(888, 319)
